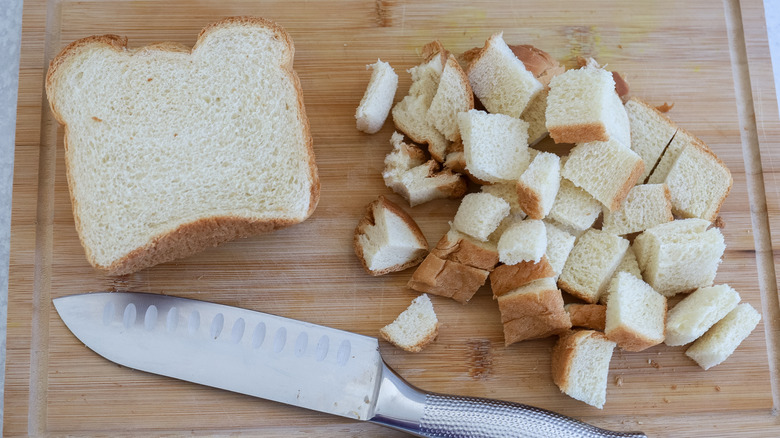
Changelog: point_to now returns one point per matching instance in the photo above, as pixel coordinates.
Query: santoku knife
(292, 362)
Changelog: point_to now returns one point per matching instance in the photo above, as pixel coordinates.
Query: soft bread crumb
(414, 328)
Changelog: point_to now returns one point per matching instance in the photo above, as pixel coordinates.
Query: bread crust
(416, 348)
(581, 133)
(536, 326)
(506, 278)
(199, 234)
(563, 354)
(369, 220)
(628, 184)
(590, 316)
(447, 279)
(466, 252)
(543, 302)
(529, 200)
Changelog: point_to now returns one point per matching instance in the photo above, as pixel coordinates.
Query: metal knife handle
(404, 407)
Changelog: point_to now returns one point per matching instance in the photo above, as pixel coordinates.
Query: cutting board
(694, 54)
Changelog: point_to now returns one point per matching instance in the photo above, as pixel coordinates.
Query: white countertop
(10, 43)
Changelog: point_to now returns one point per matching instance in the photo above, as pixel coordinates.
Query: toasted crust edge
(195, 236)
(583, 133)
(368, 219)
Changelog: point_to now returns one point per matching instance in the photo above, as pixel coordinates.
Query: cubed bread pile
(529, 221)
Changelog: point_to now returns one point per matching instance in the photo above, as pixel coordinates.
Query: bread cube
(651, 132)
(580, 366)
(479, 215)
(414, 328)
(524, 241)
(699, 311)
(591, 264)
(635, 314)
(533, 311)
(500, 80)
(495, 145)
(589, 316)
(559, 246)
(378, 98)
(724, 337)
(574, 207)
(506, 278)
(538, 185)
(453, 96)
(646, 206)
(447, 279)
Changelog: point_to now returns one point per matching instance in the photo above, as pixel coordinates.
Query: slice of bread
(447, 278)
(378, 98)
(507, 192)
(651, 132)
(699, 311)
(524, 241)
(679, 256)
(646, 206)
(580, 365)
(635, 314)
(495, 145)
(479, 215)
(591, 264)
(414, 328)
(583, 107)
(533, 311)
(500, 80)
(410, 114)
(559, 246)
(453, 96)
(589, 316)
(416, 180)
(460, 248)
(698, 183)
(506, 278)
(724, 337)
(606, 170)
(538, 185)
(574, 207)
(388, 240)
(169, 151)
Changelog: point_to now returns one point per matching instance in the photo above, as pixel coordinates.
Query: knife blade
(292, 362)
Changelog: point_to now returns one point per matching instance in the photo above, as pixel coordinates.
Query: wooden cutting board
(694, 54)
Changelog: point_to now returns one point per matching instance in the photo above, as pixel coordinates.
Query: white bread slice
(415, 327)
(651, 132)
(378, 98)
(646, 206)
(453, 96)
(538, 185)
(591, 264)
(679, 256)
(507, 192)
(416, 180)
(559, 246)
(506, 278)
(169, 150)
(580, 365)
(388, 240)
(447, 278)
(589, 316)
(583, 107)
(524, 241)
(410, 114)
(500, 80)
(460, 248)
(699, 311)
(479, 215)
(698, 183)
(606, 170)
(724, 337)
(574, 208)
(533, 311)
(495, 145)
(635, 314)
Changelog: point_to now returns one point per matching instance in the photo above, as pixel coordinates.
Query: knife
(292, 362)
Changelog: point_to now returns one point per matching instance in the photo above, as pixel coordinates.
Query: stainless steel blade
(239, 350)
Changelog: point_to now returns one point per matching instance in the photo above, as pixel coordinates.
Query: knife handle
(404, 407)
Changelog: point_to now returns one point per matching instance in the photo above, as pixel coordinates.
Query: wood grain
(669, 52)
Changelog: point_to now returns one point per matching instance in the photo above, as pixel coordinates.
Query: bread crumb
(149, 80)
(620, 46)
(665, 107)
(717, 388)
(666, 400)
(653, 364)
(97, 119)
(618, 380)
